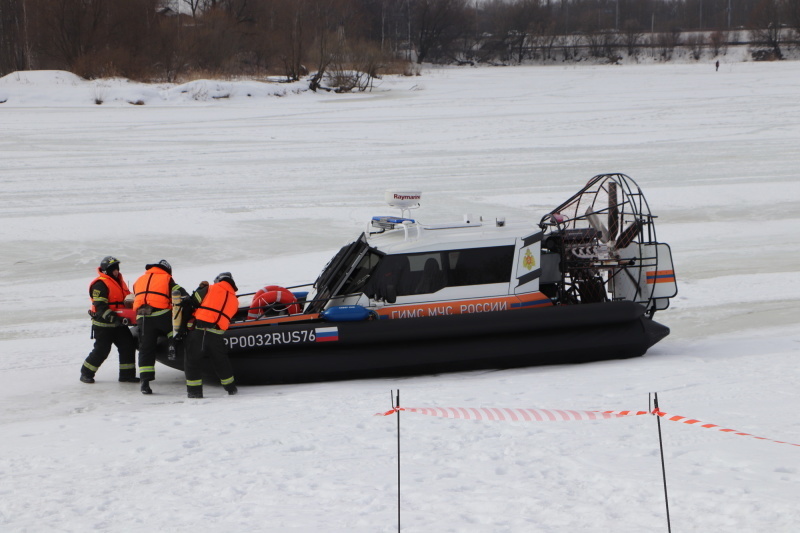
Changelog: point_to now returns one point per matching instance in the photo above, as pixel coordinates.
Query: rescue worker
(215, 306)
(107, 293)
(153, 307)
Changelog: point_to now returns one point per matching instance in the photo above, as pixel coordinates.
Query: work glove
(187, 303)
(113, 318)
(180, 335)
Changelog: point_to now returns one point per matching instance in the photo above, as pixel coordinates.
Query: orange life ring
(275, 298)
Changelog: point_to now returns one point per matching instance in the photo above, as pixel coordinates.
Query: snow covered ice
(268, 180)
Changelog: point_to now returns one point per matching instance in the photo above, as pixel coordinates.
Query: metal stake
(663, 468)
(398, 460)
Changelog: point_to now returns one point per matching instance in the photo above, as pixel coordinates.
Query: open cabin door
(337, 273)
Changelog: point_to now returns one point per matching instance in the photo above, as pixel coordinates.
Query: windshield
(346, 273)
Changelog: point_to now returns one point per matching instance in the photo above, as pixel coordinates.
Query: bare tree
(292, 38)
(523, 18)
(75, 27)
(765, 26)
(435, 24)
(194, 6)
(792, 10)
(569, 45)
(632, 36)
(329, 37)
(170, 48)
(719, 42)
(696, 43)
(666, 43)
(138, 38)
(238, 10)
(15, 49)
(547, 36)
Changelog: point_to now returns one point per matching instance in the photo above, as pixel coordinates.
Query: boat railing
(289, 288)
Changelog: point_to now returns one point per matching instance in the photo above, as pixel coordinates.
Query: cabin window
(479, 266)
(425, 273)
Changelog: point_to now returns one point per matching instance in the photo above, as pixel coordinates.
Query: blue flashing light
(393, 220)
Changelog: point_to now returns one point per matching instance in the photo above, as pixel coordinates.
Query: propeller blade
(628, 234)
(597, 224)
(613, 211)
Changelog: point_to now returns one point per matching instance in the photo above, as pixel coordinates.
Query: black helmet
(163, 264)
(226, 276)
(109, 264)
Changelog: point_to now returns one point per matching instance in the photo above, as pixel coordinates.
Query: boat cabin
(401, 268)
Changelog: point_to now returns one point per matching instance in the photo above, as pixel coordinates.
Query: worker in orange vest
(153, 307)
(107, 293)
(215, 305)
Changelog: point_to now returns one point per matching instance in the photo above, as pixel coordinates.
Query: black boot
(87, 378)
(231, 388)
(128, 379)
(194, 391)
(145, 388)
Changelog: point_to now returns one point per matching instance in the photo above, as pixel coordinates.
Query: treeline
(172, 39)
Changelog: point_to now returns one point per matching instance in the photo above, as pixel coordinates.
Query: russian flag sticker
(327, 334)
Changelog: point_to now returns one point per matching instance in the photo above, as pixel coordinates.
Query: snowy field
(268, 181)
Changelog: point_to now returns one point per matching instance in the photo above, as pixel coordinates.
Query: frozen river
(269, 187)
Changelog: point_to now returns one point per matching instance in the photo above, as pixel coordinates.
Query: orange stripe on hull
(661, 276)
(459, 307)
(278, 320)
(462, 307)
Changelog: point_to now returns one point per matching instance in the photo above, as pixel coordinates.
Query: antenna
(405, 201)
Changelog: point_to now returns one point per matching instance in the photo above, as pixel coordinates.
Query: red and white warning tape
(692, 421)
(505, 414)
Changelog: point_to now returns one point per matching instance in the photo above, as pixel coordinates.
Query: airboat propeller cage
(603, 240)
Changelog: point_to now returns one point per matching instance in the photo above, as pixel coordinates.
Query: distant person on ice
(717, 65)
(215, 307)
(107, 293)
(153, 307)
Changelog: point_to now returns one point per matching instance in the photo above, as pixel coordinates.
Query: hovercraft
(407, 298)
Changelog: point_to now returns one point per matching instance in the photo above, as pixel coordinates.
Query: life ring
(273, 298)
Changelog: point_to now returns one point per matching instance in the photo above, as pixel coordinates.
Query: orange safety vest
(219, 305)
(117, 290)
(153, 289)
